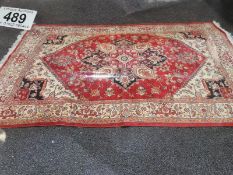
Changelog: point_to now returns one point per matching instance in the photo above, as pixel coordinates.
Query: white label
(17, 18)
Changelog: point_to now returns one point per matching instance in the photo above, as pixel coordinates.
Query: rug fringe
(228, 34)
(12, 48)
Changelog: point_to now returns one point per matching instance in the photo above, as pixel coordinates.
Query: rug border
(225, 32)
(23, 34)
(12, 49)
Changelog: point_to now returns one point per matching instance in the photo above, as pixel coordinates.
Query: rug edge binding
(12, 48)
(228, 34)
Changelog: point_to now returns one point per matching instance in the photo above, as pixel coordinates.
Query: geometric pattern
(151, 66)
(119, 75)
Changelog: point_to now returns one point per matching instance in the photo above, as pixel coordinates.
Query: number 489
(15, 17)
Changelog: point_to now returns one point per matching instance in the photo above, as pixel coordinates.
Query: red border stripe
(115, 125)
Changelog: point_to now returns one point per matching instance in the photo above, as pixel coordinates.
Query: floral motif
(31, 89)
(218, 88)
(55, 39)
(179, 75)
(124, 62)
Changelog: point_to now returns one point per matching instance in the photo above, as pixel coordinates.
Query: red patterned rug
(126, 75)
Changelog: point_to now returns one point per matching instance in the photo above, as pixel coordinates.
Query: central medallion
(125, 66)
(124, 59)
